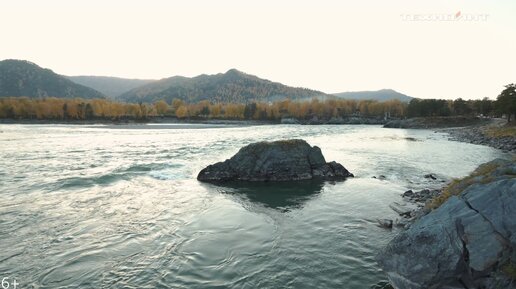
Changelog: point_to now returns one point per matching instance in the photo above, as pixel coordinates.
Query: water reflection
(282, 196)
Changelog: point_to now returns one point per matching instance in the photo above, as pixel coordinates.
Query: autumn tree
(161, 107)
(182, 112)
(176, 103)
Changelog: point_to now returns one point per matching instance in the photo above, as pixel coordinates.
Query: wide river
(120, 206)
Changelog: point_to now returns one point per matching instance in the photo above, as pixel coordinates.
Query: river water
(120, 206)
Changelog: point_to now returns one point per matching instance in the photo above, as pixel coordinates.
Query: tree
(161, 107)
(176, 103)
(460, 107)
(182, 112)
(506, 101)
(249, 110)
(88, 111)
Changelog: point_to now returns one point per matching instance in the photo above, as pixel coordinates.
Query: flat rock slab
(403, 208)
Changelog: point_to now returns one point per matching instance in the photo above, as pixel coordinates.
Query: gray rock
(289, 121)
(408, 193)
(287, 160)
(401, 222)
(430, 176)
(385, 223)
(403, 208)
(464, 238)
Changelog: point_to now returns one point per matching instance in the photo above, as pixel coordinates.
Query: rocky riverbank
(436, 122)
(414, 203)
(482, 131)
(462, 236)
(495, 134)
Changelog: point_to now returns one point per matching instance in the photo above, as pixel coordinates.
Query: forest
(50, 108)
(86, 109)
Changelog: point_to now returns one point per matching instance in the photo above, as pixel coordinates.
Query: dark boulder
(286, 160)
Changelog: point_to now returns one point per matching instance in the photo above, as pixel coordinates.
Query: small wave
(161, 171)
(138, 168)
(91, 181)
(168, 175)
(135, 168)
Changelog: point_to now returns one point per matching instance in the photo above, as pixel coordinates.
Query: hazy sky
(421, 48)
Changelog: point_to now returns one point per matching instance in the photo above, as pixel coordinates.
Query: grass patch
(456, 186)
(499, 132)
(509, 269)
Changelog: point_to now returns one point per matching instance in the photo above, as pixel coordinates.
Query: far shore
(493, 132)
(133, 122)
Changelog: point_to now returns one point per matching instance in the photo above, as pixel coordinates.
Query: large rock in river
(285, 160)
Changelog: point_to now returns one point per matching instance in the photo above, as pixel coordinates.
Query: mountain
(380, 95)
(24, 78)
(110, 86)
(232, 86)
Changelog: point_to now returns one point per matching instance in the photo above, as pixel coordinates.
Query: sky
(426, 49)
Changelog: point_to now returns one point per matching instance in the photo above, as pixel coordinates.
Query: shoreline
(483, 135)
(163, 120)
(474, 130)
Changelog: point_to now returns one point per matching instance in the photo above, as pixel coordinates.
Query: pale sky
(332, 46)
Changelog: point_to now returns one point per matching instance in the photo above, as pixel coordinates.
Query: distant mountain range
(110, 86)
(232, 86)
(24, 78)
(380, 95)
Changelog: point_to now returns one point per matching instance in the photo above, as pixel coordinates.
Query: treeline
(84, 109)
(71, 109)
(443, 107)
(331, 108)
(504, 105)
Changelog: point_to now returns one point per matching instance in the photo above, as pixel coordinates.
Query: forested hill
(230, 87)
(110, 86)
(380, 95)
(24, 78)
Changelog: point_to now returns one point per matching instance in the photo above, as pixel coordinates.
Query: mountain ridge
(110, 86)
(380, 95)
(231, 86)
(24, 78)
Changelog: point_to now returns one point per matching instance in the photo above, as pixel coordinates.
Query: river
(120, 207)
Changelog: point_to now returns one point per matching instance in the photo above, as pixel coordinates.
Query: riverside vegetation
(28, 91)
(51, 108)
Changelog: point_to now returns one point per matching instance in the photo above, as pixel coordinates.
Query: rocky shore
(461, 236)
(482, 131)
(413, 204)
(483, 135)
(436, 122)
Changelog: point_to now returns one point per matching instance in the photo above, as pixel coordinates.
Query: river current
(120, 207)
